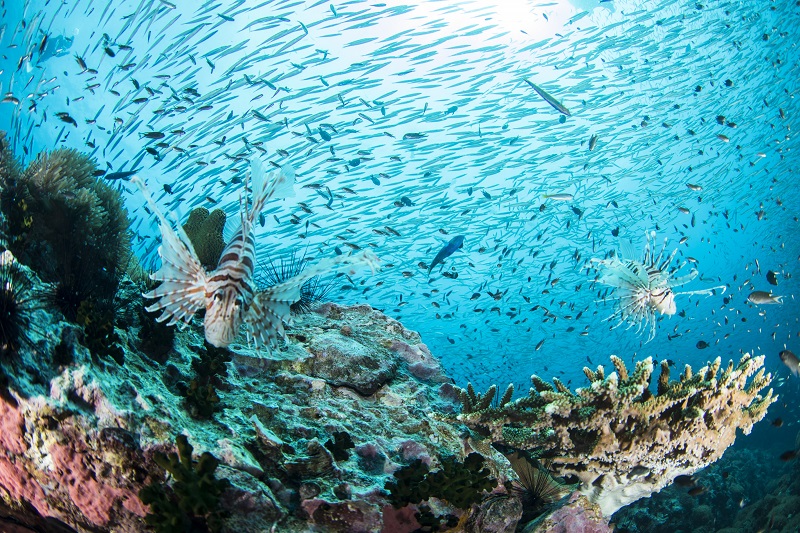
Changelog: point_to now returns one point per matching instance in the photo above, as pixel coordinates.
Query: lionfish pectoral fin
(268, 311)
(271, 307)
(279, 185)
(183, 280)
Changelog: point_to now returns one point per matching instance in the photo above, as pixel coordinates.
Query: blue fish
(454, 244)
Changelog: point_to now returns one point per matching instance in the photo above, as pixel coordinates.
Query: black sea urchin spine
(16, 303)
(312, 291)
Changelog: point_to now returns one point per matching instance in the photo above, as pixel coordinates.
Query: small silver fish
(562, 197)
(762, 297)
(790, 360)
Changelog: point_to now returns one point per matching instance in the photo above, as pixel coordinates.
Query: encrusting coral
(618, 438)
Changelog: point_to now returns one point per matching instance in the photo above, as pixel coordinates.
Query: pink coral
(92, 497)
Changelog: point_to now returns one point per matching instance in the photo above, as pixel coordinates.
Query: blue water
(338, 85)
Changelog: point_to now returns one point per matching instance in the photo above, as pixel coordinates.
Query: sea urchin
(16, 303)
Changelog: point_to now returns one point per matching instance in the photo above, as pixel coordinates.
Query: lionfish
(644, 287)
(228, 293)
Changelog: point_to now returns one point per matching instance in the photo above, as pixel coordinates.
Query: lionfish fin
(280, 185)
(268, 310)
(271, 307)
(182, 291)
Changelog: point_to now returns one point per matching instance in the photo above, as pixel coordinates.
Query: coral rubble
(621, 441)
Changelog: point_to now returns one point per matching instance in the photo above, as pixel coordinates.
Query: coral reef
(191, 503)
(68, 226)
(205, 230)
(303, 447)
(747, 490)
(621, 441)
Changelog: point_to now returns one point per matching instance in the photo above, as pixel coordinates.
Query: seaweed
(191, 503)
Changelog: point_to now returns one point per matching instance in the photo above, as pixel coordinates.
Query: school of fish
(486, 154)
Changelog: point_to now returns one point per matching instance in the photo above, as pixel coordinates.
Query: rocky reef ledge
(325, 434)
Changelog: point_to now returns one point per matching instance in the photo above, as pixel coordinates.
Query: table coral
(618, 438)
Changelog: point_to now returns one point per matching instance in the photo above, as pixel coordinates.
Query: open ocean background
(409, 123)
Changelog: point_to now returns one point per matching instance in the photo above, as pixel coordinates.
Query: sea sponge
(69, 227)
(205, 229)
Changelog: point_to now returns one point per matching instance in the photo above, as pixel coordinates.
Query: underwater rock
(344, 362)
(578, 514)
(305, 437)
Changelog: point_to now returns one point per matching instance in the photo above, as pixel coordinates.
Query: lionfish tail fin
(280, 185)
(183, 280)
(271, 307)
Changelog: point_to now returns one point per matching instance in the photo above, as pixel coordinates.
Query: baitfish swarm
(228, 293)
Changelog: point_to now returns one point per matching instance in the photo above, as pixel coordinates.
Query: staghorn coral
(619, 439)
(204, 229)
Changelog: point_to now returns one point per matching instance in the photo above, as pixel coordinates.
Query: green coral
(204, 229)
(338, 445)
(191, 503)
(68, 226)
(201, 398)
(460, 483)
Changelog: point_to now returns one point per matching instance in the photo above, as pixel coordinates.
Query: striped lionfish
(644, 287)
(228, 293)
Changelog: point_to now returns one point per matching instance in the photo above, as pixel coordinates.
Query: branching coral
(618, 438)
(191, 504)
(205, 229)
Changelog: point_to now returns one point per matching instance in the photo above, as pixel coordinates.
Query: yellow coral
(619, 439)
(204, 229)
